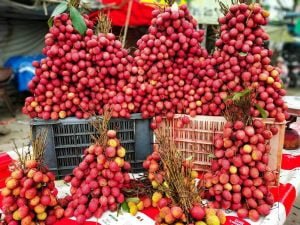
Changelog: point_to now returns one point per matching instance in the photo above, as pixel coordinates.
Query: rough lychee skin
(197, 212)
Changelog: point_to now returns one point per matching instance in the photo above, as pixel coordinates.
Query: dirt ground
(17, 126)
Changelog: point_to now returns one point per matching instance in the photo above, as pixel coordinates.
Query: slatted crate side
(67, 139)
(276, 143)
(196, 139)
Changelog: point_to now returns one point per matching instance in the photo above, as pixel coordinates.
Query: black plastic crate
(67, 138)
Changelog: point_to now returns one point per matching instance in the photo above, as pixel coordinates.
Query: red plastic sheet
(230, 220)
(140, 13)
(5, 161)
(72, 222)
(151, 212)
(290, 161)
(286, 194)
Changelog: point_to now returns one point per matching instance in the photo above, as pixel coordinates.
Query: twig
(104, 24)
(101, 126)
(38, 146)
(223, 7)
(127, 22)
(180, 186)
(238, 106)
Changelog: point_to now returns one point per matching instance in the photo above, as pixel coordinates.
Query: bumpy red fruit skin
(291, 139)
(197, 212)
(264, 209)
(242, 213)
(253, 215)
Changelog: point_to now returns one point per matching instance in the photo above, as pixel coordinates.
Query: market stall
(218, 121)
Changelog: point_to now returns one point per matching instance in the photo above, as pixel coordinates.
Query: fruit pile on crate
(218, 119)
(87, 70)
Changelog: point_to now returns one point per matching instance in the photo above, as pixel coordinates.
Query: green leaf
(125, 207)
(119, 210)
(50, 22)
(189, 158)
(59, 9)
(236, 96)
(135, 200)
(261, 110)
(211, 156)
(77, 20)
(243, 54)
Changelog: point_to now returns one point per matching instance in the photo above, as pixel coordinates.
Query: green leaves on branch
(189, 158)
(76, 18)
(243, 54)
(59, 9)
(125, 207)
(238, 95)
(262, 112)
(135, 200)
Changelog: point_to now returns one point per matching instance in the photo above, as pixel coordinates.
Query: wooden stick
(127, 22)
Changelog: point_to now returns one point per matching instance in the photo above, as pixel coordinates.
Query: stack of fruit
(176, 197)
(81, 74)
(86, 71)
(176, 69)
(243, 61)
(240, 175)
(155, 168)
(30, 196)
(97, 182)
(169, 73)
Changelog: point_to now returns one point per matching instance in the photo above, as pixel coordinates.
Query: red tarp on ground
(5, 161)
(140, 13)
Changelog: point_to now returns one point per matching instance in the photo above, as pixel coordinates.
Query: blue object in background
(23, 69)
